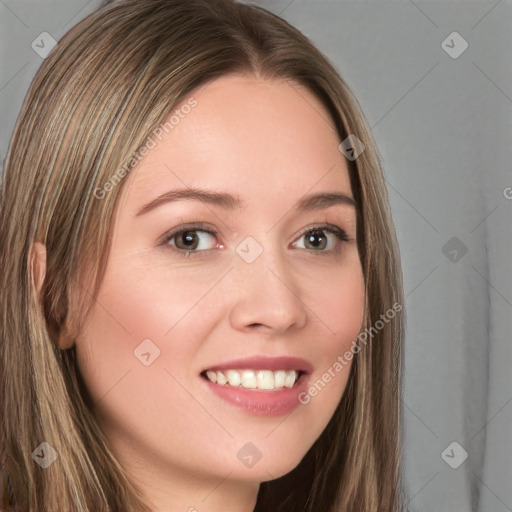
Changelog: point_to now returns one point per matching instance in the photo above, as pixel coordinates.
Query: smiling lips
(255, 379)
(259, 373)
(262, 386)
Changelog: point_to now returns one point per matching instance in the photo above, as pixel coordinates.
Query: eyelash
(339, 233)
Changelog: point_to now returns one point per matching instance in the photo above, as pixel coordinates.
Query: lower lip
(261, 402)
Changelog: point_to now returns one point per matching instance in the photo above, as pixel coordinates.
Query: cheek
(137, 318)
(339, 304)
(143, 314)
(340, 307)
(139, 300)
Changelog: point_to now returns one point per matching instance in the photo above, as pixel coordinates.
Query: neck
(179, 490)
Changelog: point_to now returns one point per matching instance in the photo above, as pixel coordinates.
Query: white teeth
(234, 378)
(289, 378)
(212, 376)
(265, 379)
(279, 378)
(221, 378)
(250, 379)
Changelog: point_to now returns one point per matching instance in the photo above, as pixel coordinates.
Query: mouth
(258, 380)
(259, 385)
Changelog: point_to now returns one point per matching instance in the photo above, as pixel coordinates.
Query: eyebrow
(318, 201)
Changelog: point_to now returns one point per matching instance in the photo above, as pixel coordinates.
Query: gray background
(443, 126)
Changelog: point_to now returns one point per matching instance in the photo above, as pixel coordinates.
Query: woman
(256, 374)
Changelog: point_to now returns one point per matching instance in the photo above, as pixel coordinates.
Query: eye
(317, 240)
(187, 241)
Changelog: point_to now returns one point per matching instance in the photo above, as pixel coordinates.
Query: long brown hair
(108, 84)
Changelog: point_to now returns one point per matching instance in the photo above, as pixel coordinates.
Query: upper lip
(264, 363)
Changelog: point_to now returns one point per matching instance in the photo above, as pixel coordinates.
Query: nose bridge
(267, 294)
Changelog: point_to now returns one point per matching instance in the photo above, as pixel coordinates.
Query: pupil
(188, 236)
(315, 234)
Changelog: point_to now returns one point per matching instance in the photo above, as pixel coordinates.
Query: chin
(275, 466)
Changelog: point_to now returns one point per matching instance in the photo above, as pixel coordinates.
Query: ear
(65, 338)
(62, 333)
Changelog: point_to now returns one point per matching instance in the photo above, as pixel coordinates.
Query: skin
(177, 439)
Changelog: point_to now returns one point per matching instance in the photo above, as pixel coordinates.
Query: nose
(267, 296)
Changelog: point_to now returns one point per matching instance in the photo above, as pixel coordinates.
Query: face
(257, 285)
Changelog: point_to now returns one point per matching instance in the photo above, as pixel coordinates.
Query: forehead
(256, 138)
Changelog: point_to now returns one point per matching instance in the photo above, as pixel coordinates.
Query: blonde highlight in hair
(108, 84)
